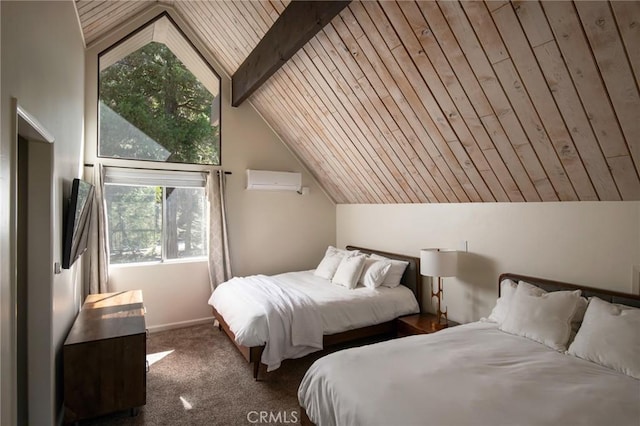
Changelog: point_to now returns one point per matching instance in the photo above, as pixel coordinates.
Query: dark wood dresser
(104, 356)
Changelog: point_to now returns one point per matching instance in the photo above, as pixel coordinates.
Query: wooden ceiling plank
(335, 155)
(315, 153)
(623, 170)
(518, 97)
(240, 38)
(506, 151)
(576, 51)
(91, 11)
(414, 169)
(509, 131)
(627, 14)
(551, 129)
(453, 102)
(346, 139)
(324, 169)
(372, 109)
(84, 6)
(357, 170)
(557, 76)
(205, 17)
(436, 166)
(299, 22)
(534, 22)
(610, 54)
(295, 122)
(217, 48)
(108, 18)
(395, 168)
(399, 87)
(478, 17)
(359, 65)
(321, 94)
(318, 79)
(380, 133)
(319, 170)
(424, 111)
(576, 119)
(505, 163)
(340, 140)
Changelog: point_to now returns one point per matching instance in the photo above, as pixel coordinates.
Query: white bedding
(468, 375)
(291, 317)
(340, 309)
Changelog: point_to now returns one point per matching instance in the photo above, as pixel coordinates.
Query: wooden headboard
(549, 285)
(411, 278)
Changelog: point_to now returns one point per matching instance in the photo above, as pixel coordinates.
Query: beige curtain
(219, 262)
(96, 259)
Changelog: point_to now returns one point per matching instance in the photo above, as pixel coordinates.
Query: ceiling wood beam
(298, 23)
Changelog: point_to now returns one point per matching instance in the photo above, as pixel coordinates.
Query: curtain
(219, 263)
(96, 262)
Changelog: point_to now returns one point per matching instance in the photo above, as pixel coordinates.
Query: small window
(155, 216)
(158, 99)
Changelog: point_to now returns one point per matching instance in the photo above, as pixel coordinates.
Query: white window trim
(155, 177)
(126, 176)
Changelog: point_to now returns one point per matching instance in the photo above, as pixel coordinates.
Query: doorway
(33, 210)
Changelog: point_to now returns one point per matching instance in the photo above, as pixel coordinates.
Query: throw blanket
(293, 322)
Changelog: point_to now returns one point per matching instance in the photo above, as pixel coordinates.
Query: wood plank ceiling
(416, 102)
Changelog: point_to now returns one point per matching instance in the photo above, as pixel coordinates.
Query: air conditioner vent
(273, 181)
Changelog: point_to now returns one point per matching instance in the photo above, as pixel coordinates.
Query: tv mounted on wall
(76, 229)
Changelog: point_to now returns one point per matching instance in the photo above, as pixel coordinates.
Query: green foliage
(135, 223)
(168, 108)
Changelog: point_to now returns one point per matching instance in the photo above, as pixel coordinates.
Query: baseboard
(181, 324)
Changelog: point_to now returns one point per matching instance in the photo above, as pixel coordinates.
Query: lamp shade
(438, 262)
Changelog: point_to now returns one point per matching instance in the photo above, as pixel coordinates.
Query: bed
(478, 374)
(341, 315)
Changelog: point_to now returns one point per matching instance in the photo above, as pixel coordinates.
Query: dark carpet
(205, 381)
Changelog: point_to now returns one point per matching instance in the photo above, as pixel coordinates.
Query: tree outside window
(153, 105)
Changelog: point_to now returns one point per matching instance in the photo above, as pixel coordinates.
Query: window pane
(186, 223)
(153, 107)
(135, 223)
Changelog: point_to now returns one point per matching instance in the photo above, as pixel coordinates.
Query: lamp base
(441, 315)
(437, 326)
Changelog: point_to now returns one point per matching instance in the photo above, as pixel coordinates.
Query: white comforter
(468, 375)
(291, 317)
(339, 309)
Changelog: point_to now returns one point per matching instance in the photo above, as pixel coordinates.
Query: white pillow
(507, 290)
(374, 272)
(541, 316)
(349, 271)
(329, 263)
(395, 273)
(610, 336)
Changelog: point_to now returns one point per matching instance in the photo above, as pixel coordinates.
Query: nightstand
(419, 324)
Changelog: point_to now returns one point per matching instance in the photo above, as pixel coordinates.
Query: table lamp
(439, 263)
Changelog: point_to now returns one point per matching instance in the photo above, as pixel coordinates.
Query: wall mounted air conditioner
(273, 181)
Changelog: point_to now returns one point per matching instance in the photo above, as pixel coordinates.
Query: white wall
(43, 67)
(270, 232)
(595, 244)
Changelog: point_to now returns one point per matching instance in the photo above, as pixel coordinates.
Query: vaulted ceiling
(415, 102)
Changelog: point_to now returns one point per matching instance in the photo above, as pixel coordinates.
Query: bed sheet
(341, 309)
(473, 374)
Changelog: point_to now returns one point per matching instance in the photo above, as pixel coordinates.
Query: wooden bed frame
(548, 285)
(411, 279)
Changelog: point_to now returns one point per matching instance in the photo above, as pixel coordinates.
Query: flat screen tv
(76, 227)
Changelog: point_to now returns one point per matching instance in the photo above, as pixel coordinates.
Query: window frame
(164, 14)
(130, 174)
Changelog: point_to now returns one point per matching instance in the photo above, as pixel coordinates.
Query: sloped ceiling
(412, 102)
